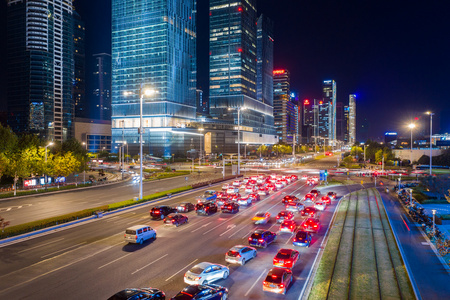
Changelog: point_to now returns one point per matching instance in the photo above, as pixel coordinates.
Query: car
(311, 224)
(302, 239)
(142, 293)
(284, 215)
(225, 186)
(234, 197)
(240, 254)
(232, 190)
(288, 226)
(255, 197)
(326, 200)
(315, 192)
(245, 180)
(185, 207)
(304, 177)
(250, 189)
(230, 207)
(286, 258)
(296, 207)
(161, 211)
(175, 220)
(294, 177)
(315, 178)
(332, 195)
(279, 184)
(310, 182)
(320, 205)
(206, 208)
(309, 199)
(309, 211)
(201, 292)
(289, 198)
(209, 195)
(262, 238)
(245, 201)
(139, 233)
(272, 187)
(261, 218)
(277, 280)
(264, 191)
(222, 200)
(206, 272)
(236, 183)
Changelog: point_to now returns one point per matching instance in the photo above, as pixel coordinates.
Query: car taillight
(135, 237)
(278, 217)
(238, 255)
(197, 278)
(281, 285)
(295, 239)
(265, 283)
(305, 225)
(315, 226)
(124, 235)
(173, 221)
(260, 240)
(249, 238)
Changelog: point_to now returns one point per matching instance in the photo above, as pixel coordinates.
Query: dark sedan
(262, 238)
(230, 207)
(175, 220)
(144, 293)
(185, 207)
(205, 291)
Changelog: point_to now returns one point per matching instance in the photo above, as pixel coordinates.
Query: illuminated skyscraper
(352, 119)
(40, 67)
(233, 70)
(327, 113)
(154, 45)
(264, 64)
(79, 82)
(101, 104)
(284, 110)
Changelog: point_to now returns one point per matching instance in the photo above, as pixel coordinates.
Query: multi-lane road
(91, 261)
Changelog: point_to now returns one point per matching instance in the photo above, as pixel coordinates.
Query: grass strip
(363, 280)
(404, 282)
(323, 275)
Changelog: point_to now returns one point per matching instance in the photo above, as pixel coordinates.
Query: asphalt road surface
(92, 261)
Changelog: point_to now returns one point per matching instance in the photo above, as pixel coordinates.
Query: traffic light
(326, 172)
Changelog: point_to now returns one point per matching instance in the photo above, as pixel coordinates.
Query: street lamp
(45, 177)
(147, 92)
(239, 136)
(200, 157)
(411, 126)
(434, 213)
(431, 142)
(365, 153)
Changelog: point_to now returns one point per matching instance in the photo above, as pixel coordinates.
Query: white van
(139, 233)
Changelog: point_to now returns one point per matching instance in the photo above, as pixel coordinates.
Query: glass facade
(285, 112)
(79, 81)
(154, 45)
(232, 64)
(327, 112)
(264, 64)
(102, 87)
(40, 67)
(352, 119)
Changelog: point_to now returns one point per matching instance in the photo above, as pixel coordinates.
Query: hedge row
(164, 175)
(44, 223)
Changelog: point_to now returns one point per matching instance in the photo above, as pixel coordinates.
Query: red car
(294, 177)
(284, 215)
(277, 280)
(286, 258)
(326, 200)
(311, 224)
(289, 198)
(309, 211)
(288, 226)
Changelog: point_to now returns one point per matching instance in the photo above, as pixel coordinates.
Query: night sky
(394, 55)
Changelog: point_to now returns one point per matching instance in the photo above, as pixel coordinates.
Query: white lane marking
(289, 238)
(28, 249)
(245, 236)
(57, 269)
(114, 260)
(204, 225)
(190, 225)
(425, 244)
(181, 269)
(236, 232)
(149, 264)
(62, 250)
(230, 227)
(253, 285)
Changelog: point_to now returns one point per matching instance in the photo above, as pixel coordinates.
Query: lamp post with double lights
(411, 126)
(45, 149)
(239, 136)
(147, 92)
(431, 141)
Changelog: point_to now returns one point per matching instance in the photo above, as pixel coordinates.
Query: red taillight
(278, 217)
(281, 285)
(249, 238)
(265, 283)
(315, 226)
(260, 240)
(124, 235)
(305, 225)
(173, 221)
(294, 239)
(135, 237)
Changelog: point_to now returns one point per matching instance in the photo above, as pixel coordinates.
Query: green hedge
(39, 224)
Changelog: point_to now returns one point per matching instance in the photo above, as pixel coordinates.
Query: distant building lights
(278, 72)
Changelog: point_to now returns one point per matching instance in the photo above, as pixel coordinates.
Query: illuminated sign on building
(306, 102)
(278, 72)
(390, 133)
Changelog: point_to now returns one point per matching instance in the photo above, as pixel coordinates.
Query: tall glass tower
(40, 67)
(153, 45)
(233, 68)
(327, 112)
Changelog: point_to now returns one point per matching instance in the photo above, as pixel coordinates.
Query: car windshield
(196, 270)
(273, 279)
(256, 235)
(283, 255)
(260, 215)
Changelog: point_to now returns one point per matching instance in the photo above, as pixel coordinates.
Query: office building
(310, 121)
(352, 119)
(101, 101)
(233, 75)
(340, 122)
(284, 110)
(154, 47)
(202, 104)
(327, 113)
(79, 81)
(346, 124)
(40, 68)
(264, 64)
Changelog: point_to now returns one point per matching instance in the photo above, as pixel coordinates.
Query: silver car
(296, 207)
(240, 254)
(206, 272)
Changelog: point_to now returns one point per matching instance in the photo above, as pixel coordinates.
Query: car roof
(204, 265)
(238, 247)
(277, 271)
(259, 231)
(286, 250)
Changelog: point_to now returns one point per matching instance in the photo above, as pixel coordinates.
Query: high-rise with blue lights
(327, 113)
(233, 71)
(264, 64)
(40, 68)
(285, 111)
(351, 119)
(154, 45)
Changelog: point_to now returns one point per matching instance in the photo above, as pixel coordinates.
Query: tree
(379, 156)
(19, 164)
(438, 185)
(356, 151)
(8, 138)
(3, 223)
(262, 150)
(348, 160)
(64, 165)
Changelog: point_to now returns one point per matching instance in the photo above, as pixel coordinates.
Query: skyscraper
(101, 104)
(154, 46)
(40, 67)
(284, 110)
(327, 112)
(79, 81)
(340, 121)
(352, 119)
(264, 64)
(233, 70)
(202, 103)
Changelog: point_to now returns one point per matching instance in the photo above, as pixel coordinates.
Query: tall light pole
(45, 177)
(239, 136)
(411, 126)
(431, 141)
(200, 157)
(148, 92)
